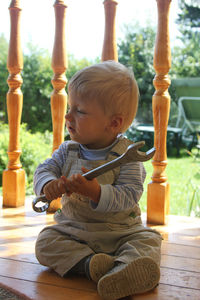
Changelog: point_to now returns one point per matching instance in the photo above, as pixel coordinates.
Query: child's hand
(54, 189)
(79, 184)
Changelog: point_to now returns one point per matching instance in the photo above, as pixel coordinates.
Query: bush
(35, 149)
(4, 138)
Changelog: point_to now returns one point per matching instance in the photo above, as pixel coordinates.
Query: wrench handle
(89, 175)
(131, 154)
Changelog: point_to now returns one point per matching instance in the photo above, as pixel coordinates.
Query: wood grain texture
(14, 175)
(20, 270)
(109, 51)
(59, 96)
(158, 188)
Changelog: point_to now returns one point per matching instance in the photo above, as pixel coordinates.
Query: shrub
(35, 149)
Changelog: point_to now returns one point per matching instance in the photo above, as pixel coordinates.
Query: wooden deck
(19, 269)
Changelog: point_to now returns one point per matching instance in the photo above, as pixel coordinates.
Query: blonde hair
(112, 85)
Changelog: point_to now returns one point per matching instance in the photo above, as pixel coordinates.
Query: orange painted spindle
(59, 95)
(158, 188)
(110, 45)
(59, 66)
(14, 176)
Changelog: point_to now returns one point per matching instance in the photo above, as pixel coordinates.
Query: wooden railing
(59, 66)
(109, 51)
(59, 95)
(158, 189)
(14, 176)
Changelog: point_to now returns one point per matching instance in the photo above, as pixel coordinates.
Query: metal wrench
(131, 154)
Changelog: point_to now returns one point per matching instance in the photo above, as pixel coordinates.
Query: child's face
(87, 124)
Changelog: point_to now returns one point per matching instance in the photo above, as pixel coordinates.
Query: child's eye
(81, 111)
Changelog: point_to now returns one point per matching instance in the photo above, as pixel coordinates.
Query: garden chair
(146, 132)
(189, 120)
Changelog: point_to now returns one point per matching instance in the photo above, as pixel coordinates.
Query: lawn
(180, 172)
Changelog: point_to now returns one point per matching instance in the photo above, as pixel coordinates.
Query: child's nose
(68, 116)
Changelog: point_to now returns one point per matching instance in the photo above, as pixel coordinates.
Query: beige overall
(82, 231)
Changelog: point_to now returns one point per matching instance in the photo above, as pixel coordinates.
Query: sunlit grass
(179, 172)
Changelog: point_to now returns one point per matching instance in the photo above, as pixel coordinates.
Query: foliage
(186, 59)
(4, 139)
(3, 77)
(35, 149)
(179, 172)
(36, 88)
(75, 65)
(136, 52)
(189, 17)
(186, 56)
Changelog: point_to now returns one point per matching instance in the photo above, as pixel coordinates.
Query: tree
(136, 52)
(186, 57)
(75, 65)
(36, 87)
(189, 17)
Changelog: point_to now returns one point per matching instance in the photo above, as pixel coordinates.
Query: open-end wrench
(131, 154)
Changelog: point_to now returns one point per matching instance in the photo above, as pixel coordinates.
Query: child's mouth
(71, 129)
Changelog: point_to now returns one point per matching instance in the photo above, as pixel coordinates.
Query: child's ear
(116, 123)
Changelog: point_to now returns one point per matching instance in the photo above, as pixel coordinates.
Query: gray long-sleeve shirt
(122, 195)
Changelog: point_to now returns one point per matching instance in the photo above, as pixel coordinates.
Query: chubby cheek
(82, 127)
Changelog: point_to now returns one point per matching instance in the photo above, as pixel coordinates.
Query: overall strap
(73, 149)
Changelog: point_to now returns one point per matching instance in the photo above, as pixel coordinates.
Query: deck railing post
(109, 51)
(158, 188)
(14, 176)
(59, 80)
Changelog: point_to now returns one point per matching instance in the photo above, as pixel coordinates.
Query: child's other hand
(54, 189)
(79, 184)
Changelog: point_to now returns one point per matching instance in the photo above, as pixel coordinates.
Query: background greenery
(35, 149)
(135, 51)
(184, 176)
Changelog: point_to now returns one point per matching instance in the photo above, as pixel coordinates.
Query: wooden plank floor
(19, 269)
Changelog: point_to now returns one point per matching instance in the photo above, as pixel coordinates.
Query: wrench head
(133, 154)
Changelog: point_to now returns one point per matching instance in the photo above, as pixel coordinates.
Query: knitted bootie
(140, 276)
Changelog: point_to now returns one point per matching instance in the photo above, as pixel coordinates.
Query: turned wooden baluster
(14, 176)
(59, 66)
(158, 189)
(59, 95)
(109, 45)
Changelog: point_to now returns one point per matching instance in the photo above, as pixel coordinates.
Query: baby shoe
(99, 265)
(140, 276)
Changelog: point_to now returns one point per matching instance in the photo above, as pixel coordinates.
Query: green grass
(180, 172)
